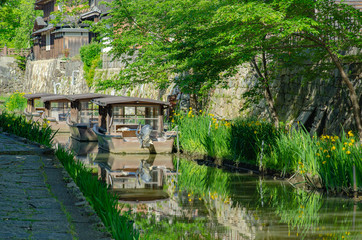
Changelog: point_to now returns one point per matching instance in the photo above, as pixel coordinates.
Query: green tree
(203, 42)
(16, 23)
(69, 12)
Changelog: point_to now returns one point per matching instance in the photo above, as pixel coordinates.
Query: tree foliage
(16, 22)
(202, 42)
(69, 12)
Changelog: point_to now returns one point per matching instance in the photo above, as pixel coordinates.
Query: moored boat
(132, 125)
(57, 107)
(35, 107)
(83, 115)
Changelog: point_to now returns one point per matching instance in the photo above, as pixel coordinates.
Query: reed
(39, 132)
(104, 203)
(329, 158)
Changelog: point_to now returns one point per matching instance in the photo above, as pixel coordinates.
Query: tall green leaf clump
(34, 131)
(91, 57)
(105, 204)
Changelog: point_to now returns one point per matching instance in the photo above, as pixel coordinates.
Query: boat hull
(83, 133)
(118, 144)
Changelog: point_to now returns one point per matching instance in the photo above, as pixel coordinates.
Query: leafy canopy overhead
(203, 41)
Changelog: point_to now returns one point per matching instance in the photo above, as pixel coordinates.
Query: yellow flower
(343, 148)
(190, 200)
(200, 111)
(325, 150)
(333, 148)
(318, 154)
(255, 132)
(350, 134)
(324, 162)
(345, 143)
(8, 125)
(328, 156)
(350, 144)
(173, 120)
(348, 152)
(352, 140)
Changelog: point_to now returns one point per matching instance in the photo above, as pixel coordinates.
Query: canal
(175, 198)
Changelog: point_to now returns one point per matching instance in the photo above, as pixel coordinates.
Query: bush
(91, 57)
(16, 102)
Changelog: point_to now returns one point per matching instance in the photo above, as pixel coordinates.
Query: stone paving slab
(27, 208)
(30, 211)
(32, 193)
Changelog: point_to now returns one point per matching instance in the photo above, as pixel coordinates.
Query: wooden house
(63, 40)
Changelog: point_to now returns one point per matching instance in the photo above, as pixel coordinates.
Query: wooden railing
(12, 51)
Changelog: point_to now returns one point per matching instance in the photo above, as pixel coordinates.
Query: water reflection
(209, 203)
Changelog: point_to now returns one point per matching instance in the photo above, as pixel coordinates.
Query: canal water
(175, 198)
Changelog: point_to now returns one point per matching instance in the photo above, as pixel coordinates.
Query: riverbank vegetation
(39, 132)
(324, 162)
(104, 203)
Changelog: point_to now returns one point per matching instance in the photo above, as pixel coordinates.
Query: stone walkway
(31, 192)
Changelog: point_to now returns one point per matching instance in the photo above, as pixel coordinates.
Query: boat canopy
(85, 96)
(37, 95)
(128, 100)
(55, 98)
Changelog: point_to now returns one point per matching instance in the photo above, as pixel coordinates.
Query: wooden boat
(57, 107)
(83, 115)
(134, 170)
(132, 125)
(35, 107)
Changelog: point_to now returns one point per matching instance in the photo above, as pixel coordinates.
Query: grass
(104, 203)
(326, 160)
(34, 131)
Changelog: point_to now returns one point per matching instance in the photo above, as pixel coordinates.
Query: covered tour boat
(35, 107)
(57, 107)
(83, 115)
(135, 178)
(132, 125)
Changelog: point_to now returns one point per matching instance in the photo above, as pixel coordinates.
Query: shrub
(16, 102)
(90, 55)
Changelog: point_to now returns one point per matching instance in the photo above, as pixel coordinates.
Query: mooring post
(354, 182)
(261, 157)
(177, 141)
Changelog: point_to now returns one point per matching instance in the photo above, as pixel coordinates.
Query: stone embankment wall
(322, 105)
(55, 76)
(11, 76)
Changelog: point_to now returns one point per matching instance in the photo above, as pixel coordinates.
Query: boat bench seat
(126, 130)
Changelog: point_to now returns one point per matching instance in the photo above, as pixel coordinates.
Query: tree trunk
(269, 99)
(194, 102)
(352, 93)
(267, 93)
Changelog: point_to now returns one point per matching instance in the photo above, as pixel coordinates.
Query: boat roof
(55, 98)
(83, 96)
(128, 100)
(38, 95)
